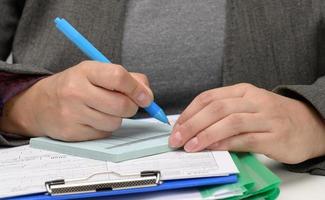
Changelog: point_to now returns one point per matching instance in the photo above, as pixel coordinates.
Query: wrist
(18, 113)
(320, 151)
(317, 132)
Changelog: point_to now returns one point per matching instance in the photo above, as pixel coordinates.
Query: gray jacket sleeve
(314, 95)
(10, 12)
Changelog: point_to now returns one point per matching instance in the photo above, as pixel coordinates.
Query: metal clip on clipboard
(61, 186)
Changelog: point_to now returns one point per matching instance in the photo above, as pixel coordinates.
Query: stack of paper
(135, 139)
(24, 169)
(255, 181)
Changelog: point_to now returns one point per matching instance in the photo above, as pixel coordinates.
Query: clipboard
(147, 181)
(31, 168)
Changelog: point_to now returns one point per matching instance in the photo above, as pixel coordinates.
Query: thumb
(142, 79)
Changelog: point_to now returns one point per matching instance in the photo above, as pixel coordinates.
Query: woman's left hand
(243, 117)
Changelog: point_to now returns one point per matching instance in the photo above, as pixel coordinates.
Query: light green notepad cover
(134, 139)
(256, 180)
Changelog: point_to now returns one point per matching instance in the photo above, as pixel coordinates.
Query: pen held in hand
(87, 48)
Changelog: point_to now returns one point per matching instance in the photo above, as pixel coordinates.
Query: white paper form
(179, 164)
(23, 170)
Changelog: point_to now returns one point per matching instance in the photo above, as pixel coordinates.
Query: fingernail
(176, 140)
(192, 145)
(142, 97)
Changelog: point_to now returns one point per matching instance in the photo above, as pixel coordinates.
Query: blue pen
(85, 46)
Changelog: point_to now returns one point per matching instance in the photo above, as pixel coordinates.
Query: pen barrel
(80, 41)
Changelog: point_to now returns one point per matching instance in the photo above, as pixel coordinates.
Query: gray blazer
(274, 44)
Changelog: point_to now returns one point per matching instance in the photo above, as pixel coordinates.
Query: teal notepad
(135, 139)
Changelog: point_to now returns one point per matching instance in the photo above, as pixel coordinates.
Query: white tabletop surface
(296, 186)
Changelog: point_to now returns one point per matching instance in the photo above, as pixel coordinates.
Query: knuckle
(71, 85)
(86, 64)
(207, 137)
(119, 75)
(205, 98)
(66, 113)
(246, 86)
(144, 79)
(251, 141)
(218, 107)
(187, 128)
(70, 90)
(235, 121)
(265, 99)
(124, 103)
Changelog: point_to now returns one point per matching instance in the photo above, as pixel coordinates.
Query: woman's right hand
(84, 102)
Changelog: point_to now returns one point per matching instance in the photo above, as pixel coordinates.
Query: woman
(192, 51)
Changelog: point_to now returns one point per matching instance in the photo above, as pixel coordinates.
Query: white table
(296, 186)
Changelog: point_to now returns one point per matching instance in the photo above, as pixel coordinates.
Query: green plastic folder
(134, 139)
(255, 180)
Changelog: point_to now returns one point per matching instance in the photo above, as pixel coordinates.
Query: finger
(100, 121)
(232, 125)
(115, 77)
(209, 115)
(81, 133)
(141, 78)
(109, 102)
(207, 97)
(247, 142)
(90, 133)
